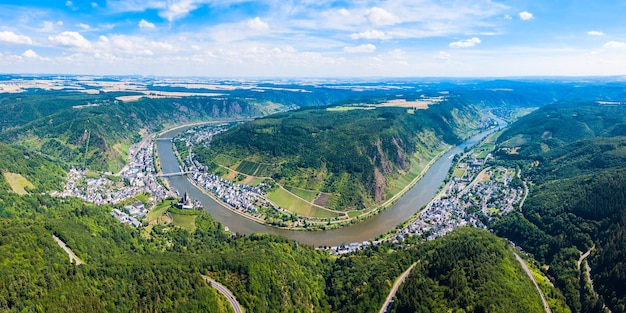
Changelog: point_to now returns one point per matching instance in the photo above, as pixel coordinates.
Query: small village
(477, 192)
(243, 198)
(137, 177)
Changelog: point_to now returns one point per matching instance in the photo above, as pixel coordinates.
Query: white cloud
(442, 55)
(366, 48)
(525, 16)
(381, 17)
(257, 24)
(72, 39)
(178, 9)
(12, 37)
(595, 33)
(84, 26)
(508, 17)
(132, 45)
(615, 44)
(370, 34)
(465, 43)
(30, 54)
(343, 12)
(94, 5)
(145, 24)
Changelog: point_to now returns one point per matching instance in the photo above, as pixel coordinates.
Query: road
(223, 290)
(69, 251)
(394, 289)
(530, 275)
(584, 255)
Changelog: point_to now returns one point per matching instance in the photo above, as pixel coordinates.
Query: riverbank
(365, 230)
(271, 215)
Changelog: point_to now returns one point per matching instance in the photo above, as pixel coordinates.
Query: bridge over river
(366, 230)
(173, 174)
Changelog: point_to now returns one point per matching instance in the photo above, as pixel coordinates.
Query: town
(248, 200)
(475, 192)
(137, 177)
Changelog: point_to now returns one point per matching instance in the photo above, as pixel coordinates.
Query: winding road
(223, 290)
(394, 289)
(530, 275)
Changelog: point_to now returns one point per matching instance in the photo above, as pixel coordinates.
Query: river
(366, 230)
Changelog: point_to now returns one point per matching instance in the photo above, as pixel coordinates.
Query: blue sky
(314, 38)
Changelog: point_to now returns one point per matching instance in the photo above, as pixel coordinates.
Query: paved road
(530, 274)
(395, 287)
(223, 290)
(69, 251)
(584, 255)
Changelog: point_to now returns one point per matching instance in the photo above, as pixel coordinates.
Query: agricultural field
(285, 200)
(308, 195)
(187, 222)
(252, 168)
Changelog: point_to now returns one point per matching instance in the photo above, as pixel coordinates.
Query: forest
(573, 155)
(127, 269)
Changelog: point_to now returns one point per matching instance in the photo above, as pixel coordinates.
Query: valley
(319, 206)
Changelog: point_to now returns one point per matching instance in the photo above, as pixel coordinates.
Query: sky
(314, 38)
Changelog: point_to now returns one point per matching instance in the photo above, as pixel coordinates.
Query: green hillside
(577, 197)
(469, 270)
(160, 268)
(358, 156)
(98, 137)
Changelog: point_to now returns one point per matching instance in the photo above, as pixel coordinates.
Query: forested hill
(159, 269)
(354, 153)
(574, 155)
(476, 268)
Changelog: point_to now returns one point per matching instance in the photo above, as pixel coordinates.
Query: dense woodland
(354, 153)
(130, 270)
(575, 160)
(571, 153)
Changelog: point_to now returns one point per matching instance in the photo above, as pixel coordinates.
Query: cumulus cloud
(145, 24)
(178, 9)
(366, 48)
(526, 16)
(381, 17)
(12, 37)
(370, 34)
(343, 12)
(615, 44)
(30, 54)
(595, 33)
(72, 39)
(257, 24)
(84, 26)
(465, 43)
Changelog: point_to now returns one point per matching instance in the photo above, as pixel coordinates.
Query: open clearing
(187, 222)
(159, 210)
(289, 202)
(308, 195)
(18, 183)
